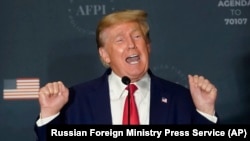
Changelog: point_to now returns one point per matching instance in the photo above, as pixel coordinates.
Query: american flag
(164, 100)
(21, 88)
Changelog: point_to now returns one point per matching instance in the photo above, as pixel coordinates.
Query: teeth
(133, 55)
(133, 59)
(133, 62)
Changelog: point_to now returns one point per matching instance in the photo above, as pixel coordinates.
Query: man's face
(126, 50)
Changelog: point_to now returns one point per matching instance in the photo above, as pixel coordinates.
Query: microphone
(126, 80)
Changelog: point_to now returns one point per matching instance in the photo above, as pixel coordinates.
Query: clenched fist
(52, 97)
(203, 93)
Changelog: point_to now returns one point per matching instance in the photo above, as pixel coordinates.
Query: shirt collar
(117, 88)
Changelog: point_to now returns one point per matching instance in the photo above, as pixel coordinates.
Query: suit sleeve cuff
(212, 118)
(42, 121)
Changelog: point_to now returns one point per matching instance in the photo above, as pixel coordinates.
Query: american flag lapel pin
(164, 100)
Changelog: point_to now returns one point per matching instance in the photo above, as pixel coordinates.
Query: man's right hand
(52, 97)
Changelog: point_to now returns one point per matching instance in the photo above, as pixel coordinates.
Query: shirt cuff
(212, 118)
(42, 121)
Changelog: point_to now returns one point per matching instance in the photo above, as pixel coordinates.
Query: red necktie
(130, 114)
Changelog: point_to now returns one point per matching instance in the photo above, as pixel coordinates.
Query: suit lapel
(100, 102)
(159, 103)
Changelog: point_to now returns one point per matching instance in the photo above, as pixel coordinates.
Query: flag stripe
(27, 80)
(20, 93)
(21, 97)
(17, 94)
(28, 87)
(27, 84)
(20, 90)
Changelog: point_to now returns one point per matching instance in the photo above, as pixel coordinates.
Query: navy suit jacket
(89, 103)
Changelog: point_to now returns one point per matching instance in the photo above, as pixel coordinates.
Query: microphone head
(125, 80)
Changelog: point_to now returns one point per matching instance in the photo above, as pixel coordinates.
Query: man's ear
(104, 55)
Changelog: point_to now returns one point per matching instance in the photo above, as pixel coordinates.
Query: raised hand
(203, 92)
(52, 97)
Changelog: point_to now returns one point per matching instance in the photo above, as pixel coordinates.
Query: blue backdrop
(54, 40)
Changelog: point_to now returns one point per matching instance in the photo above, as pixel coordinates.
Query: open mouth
(134, 59)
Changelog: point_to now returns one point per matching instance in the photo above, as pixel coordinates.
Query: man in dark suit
(124, 47)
